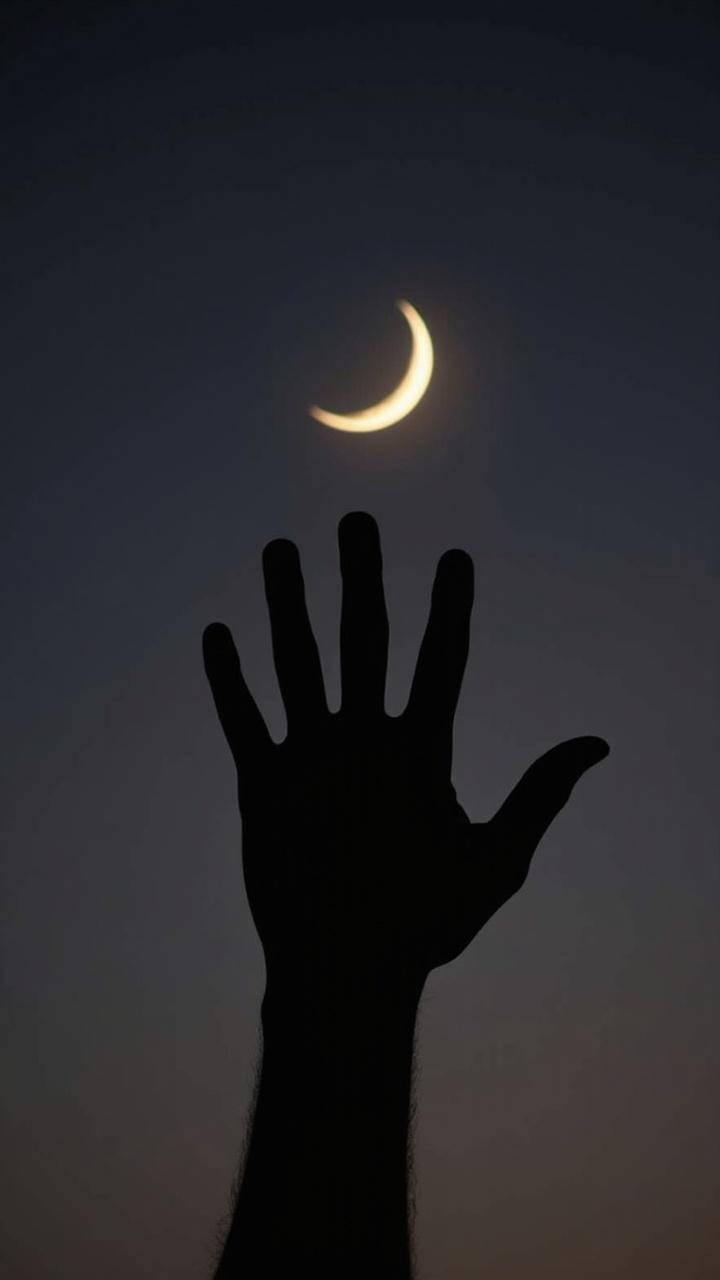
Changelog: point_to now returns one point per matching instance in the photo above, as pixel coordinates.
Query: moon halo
(408, 392)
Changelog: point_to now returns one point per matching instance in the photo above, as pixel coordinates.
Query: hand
(357, 856)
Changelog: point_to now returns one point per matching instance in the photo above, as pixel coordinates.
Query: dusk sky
(210, 211)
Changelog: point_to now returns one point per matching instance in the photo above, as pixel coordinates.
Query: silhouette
(363, 874)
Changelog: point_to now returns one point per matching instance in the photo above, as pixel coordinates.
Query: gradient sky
(209, 216)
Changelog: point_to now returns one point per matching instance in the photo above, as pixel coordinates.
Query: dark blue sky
(209, 215)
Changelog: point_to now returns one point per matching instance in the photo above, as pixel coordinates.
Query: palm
(355, 848)
(347, 842)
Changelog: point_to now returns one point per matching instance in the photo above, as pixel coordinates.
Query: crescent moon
(407, 393)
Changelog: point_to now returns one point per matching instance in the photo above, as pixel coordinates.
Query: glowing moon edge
(407, 393)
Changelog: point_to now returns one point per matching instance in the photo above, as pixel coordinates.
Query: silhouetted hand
(357, 855)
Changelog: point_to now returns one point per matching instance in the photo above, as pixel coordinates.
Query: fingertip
(457, 560)
(582, 755)
(358, 532)
(593, 749)
(215, 633)
(359, 541)
(356, 520)
(455, 571)
(569, 760)
(280, 551)
(217, 644)
(282, 572)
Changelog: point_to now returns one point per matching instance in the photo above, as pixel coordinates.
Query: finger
(297, 661)
(364, 622)
(443, 653)
(521, 822)
(242, 723)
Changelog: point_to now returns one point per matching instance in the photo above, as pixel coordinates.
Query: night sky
(209, 215)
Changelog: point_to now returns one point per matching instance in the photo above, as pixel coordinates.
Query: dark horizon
(209, 216)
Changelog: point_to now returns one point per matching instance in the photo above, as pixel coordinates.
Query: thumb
(521, 822)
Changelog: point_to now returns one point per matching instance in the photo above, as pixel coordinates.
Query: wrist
(336, 995)
(325, 1181)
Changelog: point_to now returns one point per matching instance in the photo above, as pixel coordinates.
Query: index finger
(443, 653)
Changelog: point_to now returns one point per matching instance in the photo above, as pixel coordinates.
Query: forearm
(325, 1182)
